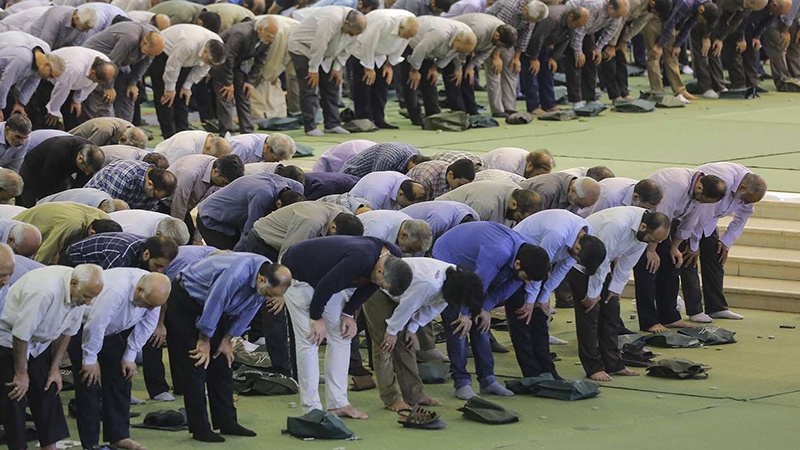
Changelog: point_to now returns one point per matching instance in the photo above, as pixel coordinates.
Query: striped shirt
(432, 175)
(125, 180)
(452, 156)
(598, 20)
(510, 12)
(381, 157)
(107, 250)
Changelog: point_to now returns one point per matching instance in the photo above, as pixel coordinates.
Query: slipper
(420, 419)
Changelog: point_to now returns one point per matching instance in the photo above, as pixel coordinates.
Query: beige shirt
(296, 223)
(488, 198)
(320, 38)
(230, 14)
(184, 44)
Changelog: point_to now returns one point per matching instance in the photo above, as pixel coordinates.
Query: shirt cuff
(129, 355)
(617, 286)
(88, 359)
(412, 327)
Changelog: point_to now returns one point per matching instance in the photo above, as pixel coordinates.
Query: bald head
(152, 291)
(584, 192)
(619, 8)
(152, 44)
(465, 42)
(161, 21)
(6, 264)
(354, 23)
(273, 280)
(10, 185)
(25, 239)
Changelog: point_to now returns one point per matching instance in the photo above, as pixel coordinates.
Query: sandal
(420, 418)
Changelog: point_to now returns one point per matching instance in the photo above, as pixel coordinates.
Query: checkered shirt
(510, 12)
(432, 175)
(125, 180)
(386, 156)
(452, 156)
(107, 250)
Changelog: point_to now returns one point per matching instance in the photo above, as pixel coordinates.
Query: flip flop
(420, 419)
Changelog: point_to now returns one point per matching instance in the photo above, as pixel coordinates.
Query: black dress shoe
(235, 429)
(207, 436)
(386, 126)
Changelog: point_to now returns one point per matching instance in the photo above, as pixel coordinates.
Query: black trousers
(581, 81)
(46, 408)
(459, 98)
(37, 109)
(204, 101)
(430, 95)
(175, 118)
(155, 373)
(109, 400)
(713, 277)
(239, 101)
(215, 238)
(732, 60)
(369, 102)
(597, 330)
(657, 293)
(254, 244)
(310, 100)
(217, 379)
(750, 64)
(614, 75)
(273, 328)
(532, 341)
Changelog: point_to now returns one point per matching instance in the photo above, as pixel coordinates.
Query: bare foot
(680, 324)
(537, 112)
(627, 97)
(626, 373)
(689, 96)
(348, 412)
(397, 406)
(429, 401)
(129, 444)
(553, 109)
(657, 328)
(600, 376)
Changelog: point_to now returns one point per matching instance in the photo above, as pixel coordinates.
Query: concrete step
(753, 293)
(763, 262)
(773, 233)
(777, 205)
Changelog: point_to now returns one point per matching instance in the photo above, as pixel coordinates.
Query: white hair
(174, 229)
(87, 16)
(537, 11)
(18, 232)
(57, 63)
(282, 145)
(135, 137)
(86, 274)
(11, 184)
(264, 22)
(586, 187)
(219, 147)
(419, 231)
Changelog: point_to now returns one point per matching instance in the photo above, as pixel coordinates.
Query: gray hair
(219, 147)
(537, 11)
(353, 20)
(57, 63)
(120, 205)
(107, 206)
(175, 229)
(87, 16)
(20, 232)
(586, 187)
(282, 145)
(10, 185)
(264, 22)
(8, 249)
(405, 22)
(135, 137)
(397, 274)
(419, 231)
(87, 273)
(754, 184)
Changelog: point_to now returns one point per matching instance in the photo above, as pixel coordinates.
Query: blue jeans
(538, 89)
(457, 352)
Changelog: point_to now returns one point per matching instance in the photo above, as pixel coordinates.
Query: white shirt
(497, 174)
(677, 186)
(732, 174)
(78, 63)
(38, 309)
(138, 221)
(380, 189)
(383, 224)
(617, 228)
(249, 147)
(85, 196)
(380, 40)
(555, 230)
(184, 44)
(510, 159)
(10, 211)
(184, 143)
(261, 167)
(143, 17)
(576, 171)
(319, 37)
(423, 300)
(615, 191)
(120, 152)
(26, 17)
(113, 311)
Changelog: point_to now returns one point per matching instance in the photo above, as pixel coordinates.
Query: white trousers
(337, 352)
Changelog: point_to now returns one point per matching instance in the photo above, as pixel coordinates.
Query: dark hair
(19, 123)
(120, 18)
(251, 5)
(463, 288)
(161, 247)
(291, 172)
(599, 173)
(419, 159)
(93, 156)
(348, 225)
(663, 8)
(156, 159)
(269, 271)
(508, 35)
(229, 167)
(216, 52)
(528, 202)
(649, 192)
(98, 65)
(713, 187)
(615, 4)
(655, 220)
(711, 13)
(163, 180)
(407, 188)
(288, 196)
(211, 21)
(463, 168)
(370, 4)
(444, 5)
(398, 275)
(468, 218)
(592, 254)
(105, 226)
(534, 261)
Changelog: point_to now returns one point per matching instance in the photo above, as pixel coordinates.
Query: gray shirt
(122, 152)
(551, 31)
(17, 65)
(296, 222)
(553, 188)
(121, 43)
(435, 41)
(85, 196)
(10, 157)
(102, 130)
(55, 27)
(484, 26)
(488, 198)
(418, 7)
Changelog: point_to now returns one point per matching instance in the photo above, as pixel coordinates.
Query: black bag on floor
(636, 354)
(671, 339)
(570, 390)
(481, 410)
(524, 386)
(317, 424)
(681, 369)
(710, 335)
(588, 110)
(434, 372)
(252, 381)
(165, 420)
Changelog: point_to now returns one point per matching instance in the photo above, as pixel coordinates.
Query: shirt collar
(695, 177)
(33, 63)
(627, 197)
(207, 174)
(3, 134)
(564, 196)
(68, 290)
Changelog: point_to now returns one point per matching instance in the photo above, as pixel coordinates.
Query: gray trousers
(95, 105)
(310, 100)
(123, 107)
(501, 87)
(239, 101)
(707, 69)
(784, 64)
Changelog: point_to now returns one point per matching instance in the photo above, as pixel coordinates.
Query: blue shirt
(187, 254)
(125, 180)
(441, 215)
(682, 18)
(225, 284)
(332, 264)
(238, 205)
(321, 184)
(348, 3)
(249, 147)
(107, 250)
(554, 230)
(488, 249)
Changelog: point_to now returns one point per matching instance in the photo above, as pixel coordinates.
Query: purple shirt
(334, 159)
(709, 215)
